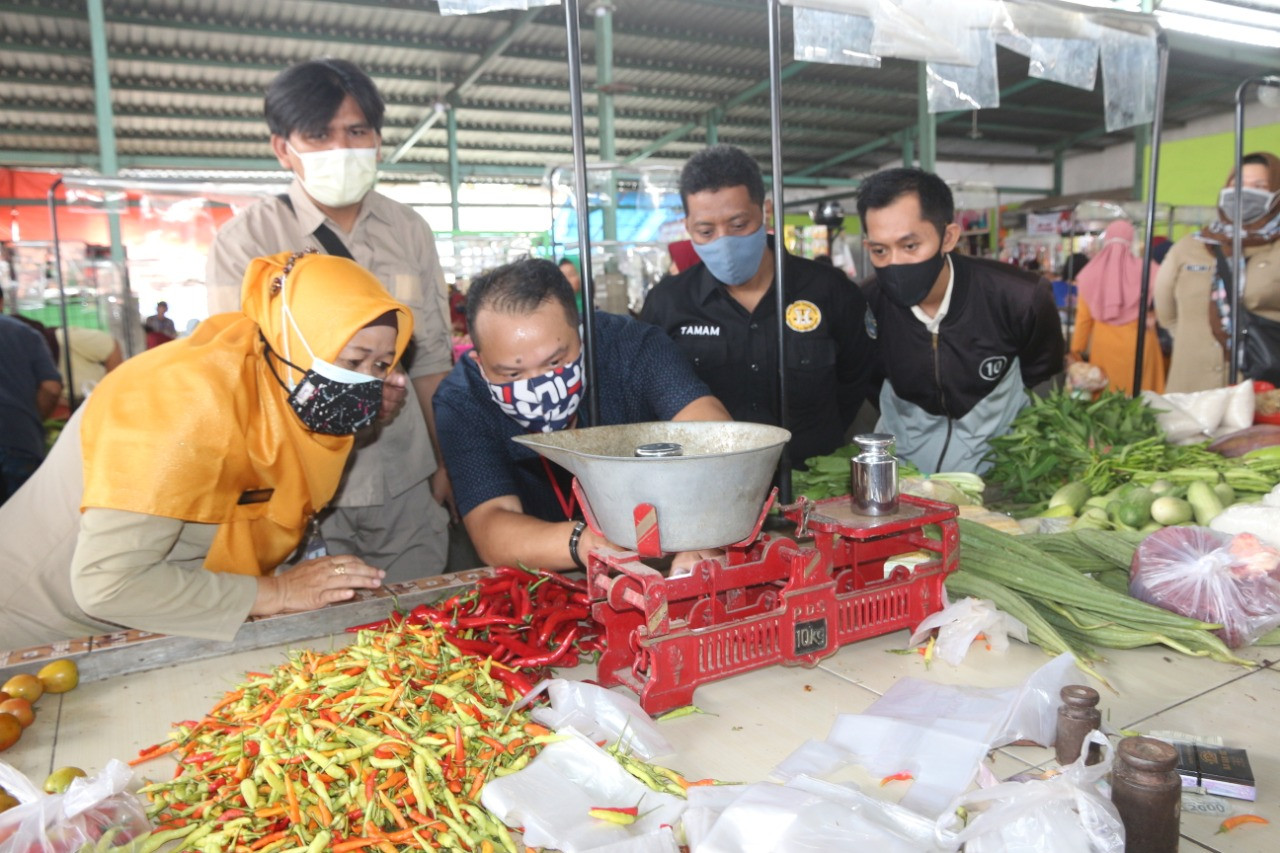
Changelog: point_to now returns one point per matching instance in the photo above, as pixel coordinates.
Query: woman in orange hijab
(1106, 330)
(176, 492)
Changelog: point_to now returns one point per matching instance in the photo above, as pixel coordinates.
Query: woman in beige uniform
(189, 475)
(1185, 301)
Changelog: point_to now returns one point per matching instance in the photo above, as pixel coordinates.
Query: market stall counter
(752, 721)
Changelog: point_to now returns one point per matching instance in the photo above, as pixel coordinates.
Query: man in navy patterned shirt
(525, 375)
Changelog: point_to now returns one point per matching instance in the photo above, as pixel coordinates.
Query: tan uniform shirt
(394, 243)
(1182, 306)
(90, 349)
(126, 569)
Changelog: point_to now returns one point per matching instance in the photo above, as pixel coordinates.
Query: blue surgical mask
(734, 259)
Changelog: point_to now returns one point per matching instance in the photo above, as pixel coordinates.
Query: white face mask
(338, 177)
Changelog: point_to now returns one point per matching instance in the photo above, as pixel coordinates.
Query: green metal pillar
(713, 127)
(451, 124)
(1059, 157)
(108, 164)
(604, 101)
(926, 123)
(1141, 141)
(908, 147)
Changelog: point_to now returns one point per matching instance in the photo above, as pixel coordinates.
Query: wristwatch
(574, 538)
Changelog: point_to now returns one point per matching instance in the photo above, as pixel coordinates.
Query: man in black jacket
(722, 312)
(959, 338)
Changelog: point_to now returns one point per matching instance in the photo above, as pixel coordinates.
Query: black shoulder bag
(1260, 354)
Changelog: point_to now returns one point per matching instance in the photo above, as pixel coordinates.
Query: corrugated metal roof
(187, 78)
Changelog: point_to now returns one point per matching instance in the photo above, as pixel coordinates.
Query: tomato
(10, 731)
(60, 779)
(59, 676)
(19, 708)
(24, 685)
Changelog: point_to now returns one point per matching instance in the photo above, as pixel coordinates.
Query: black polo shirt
(829, 356)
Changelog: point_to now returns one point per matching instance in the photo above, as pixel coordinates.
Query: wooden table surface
(755, 720)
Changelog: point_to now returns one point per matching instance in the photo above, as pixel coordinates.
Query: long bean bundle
(1069, 606)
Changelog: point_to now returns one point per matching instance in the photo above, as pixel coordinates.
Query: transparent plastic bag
(1211, 576)
(965, 87)
(960, 623)
(96, 811)
(1129, 70)
(599, 714)
(1062, 814)
(833, 37)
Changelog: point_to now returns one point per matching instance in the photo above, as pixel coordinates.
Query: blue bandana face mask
(545, 403)
(734, 259)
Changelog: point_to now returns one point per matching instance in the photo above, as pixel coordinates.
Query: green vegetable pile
(1059, 438)
(828, 477)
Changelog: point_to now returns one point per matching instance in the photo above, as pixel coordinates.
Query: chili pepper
(687, 710)
(625, 815)
(551, 657)
(1240, 820)
(557, 619)
(901, 776)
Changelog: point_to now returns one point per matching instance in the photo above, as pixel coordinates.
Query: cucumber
(1135, 509)
(1099, 501)
(1204, 502)
(1226, 494)
(1169, 510)
(1161, 487)
(1072, 494)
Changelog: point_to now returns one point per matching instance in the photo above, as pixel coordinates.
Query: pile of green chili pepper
(383, 745)
(526, 620)
(1059, 437)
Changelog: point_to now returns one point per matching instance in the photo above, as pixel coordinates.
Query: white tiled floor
(756, 719)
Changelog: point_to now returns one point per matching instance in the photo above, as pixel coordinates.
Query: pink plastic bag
(1211, 576)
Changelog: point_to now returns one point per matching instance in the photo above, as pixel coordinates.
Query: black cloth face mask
(328, 405)
(906, 285)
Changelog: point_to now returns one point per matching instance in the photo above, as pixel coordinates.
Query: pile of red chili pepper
(382, 745)
(527, 620)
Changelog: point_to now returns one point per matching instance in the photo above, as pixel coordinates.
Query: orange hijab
(195, 428)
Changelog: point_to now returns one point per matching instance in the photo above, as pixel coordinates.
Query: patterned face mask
(545, 403)
(329, 399)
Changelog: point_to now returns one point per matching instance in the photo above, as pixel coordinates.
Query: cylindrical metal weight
(874, 475)
(1147, 791)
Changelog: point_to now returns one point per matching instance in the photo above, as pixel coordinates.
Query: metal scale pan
(708, 497)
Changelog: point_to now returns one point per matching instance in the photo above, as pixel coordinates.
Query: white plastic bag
(960, 623)
(1062, 814)
(599, 714)
(552, 798)
(91, 808)
(808, 814)
(1201, 415)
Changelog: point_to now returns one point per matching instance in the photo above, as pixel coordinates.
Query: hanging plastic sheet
(476, 7)
(966, 87)
(1129, 70)
(833, 37)
(1072, 62)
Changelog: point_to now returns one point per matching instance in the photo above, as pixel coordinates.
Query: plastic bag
(808, 814)
(599, 714)
(1083, 376)
(960, 623)
(92, 809)
(552, 798)
(1063, 814)
(1200, 415)
(1211, 576)
(1262, 519)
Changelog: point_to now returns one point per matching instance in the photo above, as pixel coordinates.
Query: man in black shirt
(722, 312)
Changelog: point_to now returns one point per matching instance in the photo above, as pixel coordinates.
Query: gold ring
(340, 569)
